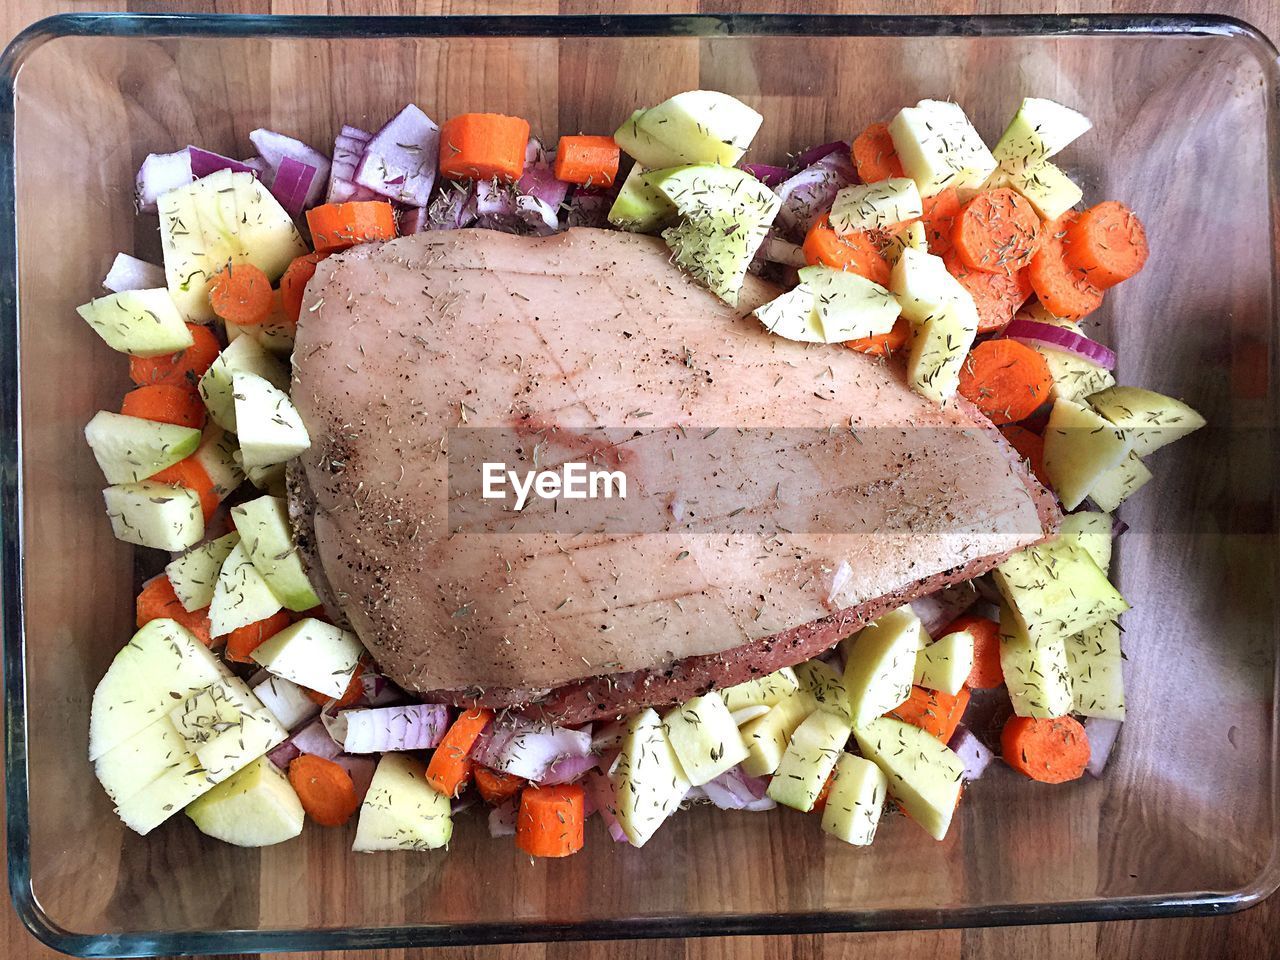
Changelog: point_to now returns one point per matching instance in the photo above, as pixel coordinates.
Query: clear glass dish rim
(161, 942)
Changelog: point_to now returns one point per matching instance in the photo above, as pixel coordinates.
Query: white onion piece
(400, 160)
(502, 819)
(776, 250)
(294, 183)
(569, 770)
(274, 147)
(286, 701)
(539, 215)
(495, 205)
(973, 753)
(360, 769)
(1061, 338)
(521, 748)
(694, 795)
(809, 194)
(453, 208)
(378, 690)
(313, 739)
(1102, 734)
(737, 790)
(415, 726)
(747, 714)
(160, 173)
(130, 273)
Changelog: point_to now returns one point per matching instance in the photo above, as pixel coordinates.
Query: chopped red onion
(413, 220)
(415, 726)
(160, 173)
(313, 739)
(205, 162)
(528, 750)
(737, 790)
(274, 147)
(378, 690)
(766, 173)
(399, 162)
(495, 206)
(776, 250)
(939, 609)
(502, 818)
(284, 754)
(569, 769)
(605, 798)
(694, 795)
(1061, 338)
(973, 753)
(355, 133)
(130, 273)
(539, 180)
(814, 154)
(1102, 734)
(342, 191)
(347, 151)
(809, 194)
(453, 208)
(588, 208)
(293, 184)
(360, 769)
(540, 217)
(286, 701)
(258, 166)
(1118, 528)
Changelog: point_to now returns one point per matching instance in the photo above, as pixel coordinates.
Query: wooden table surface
(1250, 934)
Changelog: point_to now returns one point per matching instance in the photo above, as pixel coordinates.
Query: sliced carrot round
(875, 155)
(294, 281)
(939, 217)
(325, 790)
(550, 821)
(337, 226)
(191, 474)
(242, 641)
(1005, 379)
(184, 368)
(936, 712)
(884, 344)
(165, 403)
(497, 787)
(1051, 751)
(1030, 447)
(1107, 243)
(1061, 288)
(241, 294)
(997, 230)
(856, 252)
(996, 295)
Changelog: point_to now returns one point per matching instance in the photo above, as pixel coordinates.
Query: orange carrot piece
(875, 155)
(450, 767)
(497, 787)
(936, 712)
(293, 283)
(1107, 243)
(325, 790)
(997, 230)
(1061, 288)
(182, 369)
(820, 802)
(856, 252)
(589, 161)
(241, 294)
(996, 295)
(550, 820)
(1005, 379)
(190, 474)
(939, 218)
(1051, 751)
(354, 691)
(157, 600)
(242, 641)
(165, 403)
(482, 146)
(1030, 447)
(987, 674)
(884, 344)
(337, 226)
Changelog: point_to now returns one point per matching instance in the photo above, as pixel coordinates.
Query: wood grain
(1250, 934)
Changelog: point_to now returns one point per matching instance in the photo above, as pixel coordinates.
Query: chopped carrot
(939, 218)
(1061, 288)
(354, 691)
(589, 161)
(820, 802)
(550, 820)
(482, 146)
(996, 295)
(450, 767)
(987, 674)
(165, 403)
(997, 230)
(337, 226)
(1051, 751)
(934, 711)
(497, 787)
(1030, 447)
(241, 294)
(190, 474)
(884, 344)
(157, 600)
(856, 251)
(1005, 379)
(182, 369)
(875, 155)
(242, 641)
(293, 283)
(1107, 243)
(325, 790)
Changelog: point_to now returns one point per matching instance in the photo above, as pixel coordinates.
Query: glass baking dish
(1185, 130)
